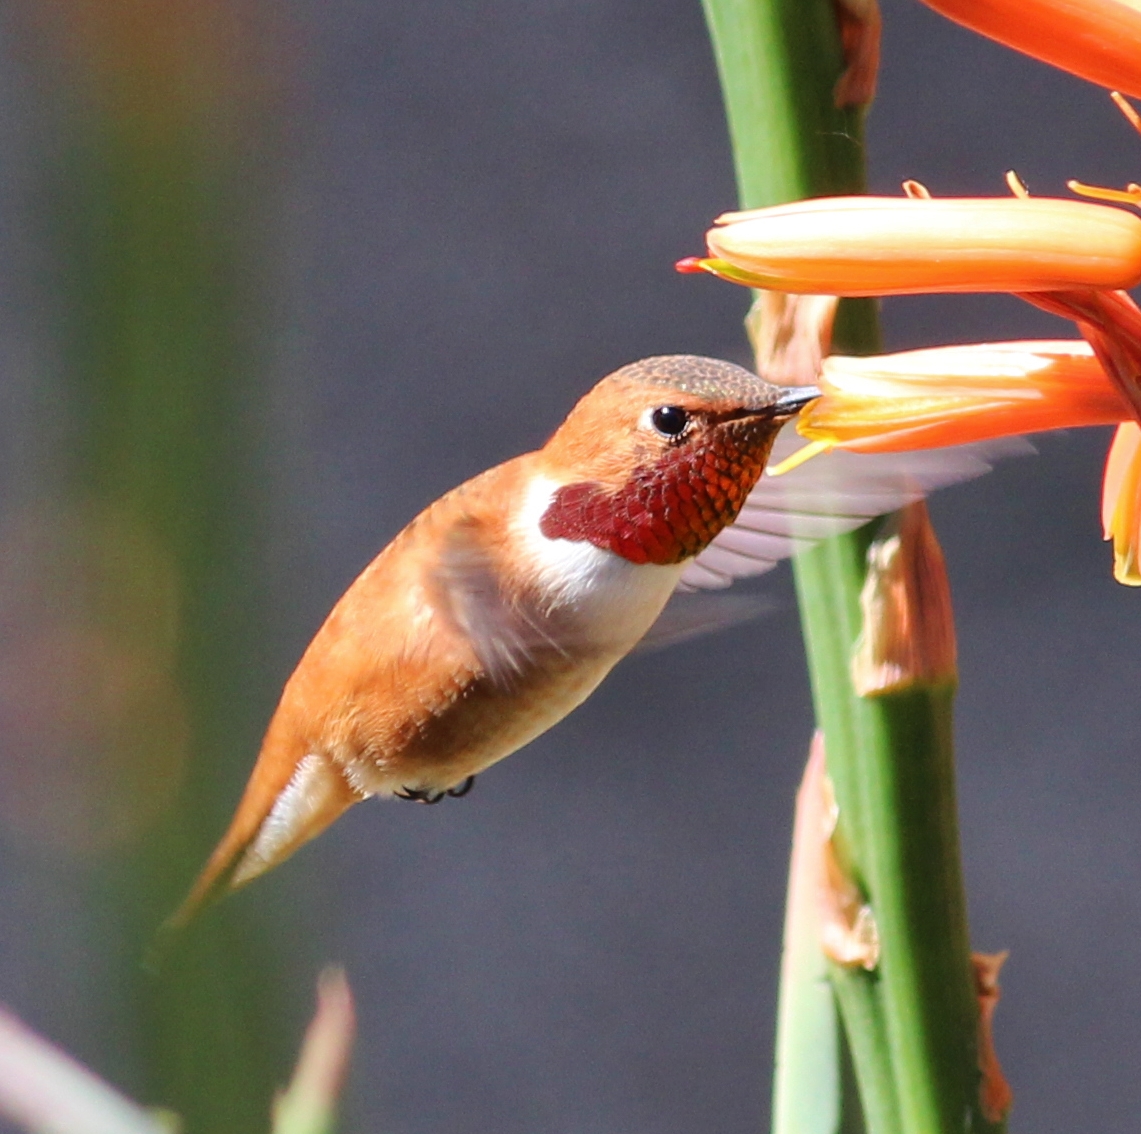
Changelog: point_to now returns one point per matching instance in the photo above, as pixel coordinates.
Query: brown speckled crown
(710, 379)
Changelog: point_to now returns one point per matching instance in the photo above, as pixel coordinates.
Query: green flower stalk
(911, 1024)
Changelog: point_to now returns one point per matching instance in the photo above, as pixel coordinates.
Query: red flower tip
(691, 265)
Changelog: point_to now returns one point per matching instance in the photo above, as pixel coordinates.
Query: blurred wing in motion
(830, 494)
(689, 614)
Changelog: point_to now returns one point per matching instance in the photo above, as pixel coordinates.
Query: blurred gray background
(480, 212)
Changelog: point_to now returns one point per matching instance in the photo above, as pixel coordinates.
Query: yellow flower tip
(695, 265)
(1099, 40)
(863, 246)
(925, 399)
(1126, 573)
(1121, 503)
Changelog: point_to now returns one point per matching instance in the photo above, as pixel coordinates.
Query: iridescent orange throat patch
(671, 510)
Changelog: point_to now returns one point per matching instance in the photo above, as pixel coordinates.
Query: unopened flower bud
(899, 246)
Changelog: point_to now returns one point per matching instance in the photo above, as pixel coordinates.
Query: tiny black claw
(429, 795)
(419, 795)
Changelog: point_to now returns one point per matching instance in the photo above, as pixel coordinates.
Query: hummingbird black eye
(669, 421)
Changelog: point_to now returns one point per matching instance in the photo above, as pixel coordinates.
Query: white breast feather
(617, 600)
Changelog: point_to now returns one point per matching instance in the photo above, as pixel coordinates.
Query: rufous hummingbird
(500, 608)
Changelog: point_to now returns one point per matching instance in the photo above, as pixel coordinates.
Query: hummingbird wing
(506, 632)
(830, 494)
(689, 614)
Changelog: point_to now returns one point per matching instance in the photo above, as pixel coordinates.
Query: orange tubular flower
(1070, 258)
(1099, 40)
(856, 246)
(925, 399)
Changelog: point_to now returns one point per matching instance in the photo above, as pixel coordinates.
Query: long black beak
(792, 400)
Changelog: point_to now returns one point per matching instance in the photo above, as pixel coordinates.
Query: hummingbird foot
(432, 795)
(420, 795)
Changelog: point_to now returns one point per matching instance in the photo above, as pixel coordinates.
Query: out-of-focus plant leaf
(144, 571)
(308, 1105)
(46, 1091)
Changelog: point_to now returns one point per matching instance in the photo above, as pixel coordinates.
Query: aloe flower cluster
(1070, 257)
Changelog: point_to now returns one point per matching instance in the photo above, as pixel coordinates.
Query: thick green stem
(149, 201)
(828, 585)
(911, 1024)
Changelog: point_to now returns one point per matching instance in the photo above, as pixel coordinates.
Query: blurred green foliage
(156, 179)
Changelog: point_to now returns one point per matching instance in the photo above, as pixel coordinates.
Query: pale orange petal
(1099, 40)
(1111, 324)
(900, 246)
(927, 399)
(1121, 503)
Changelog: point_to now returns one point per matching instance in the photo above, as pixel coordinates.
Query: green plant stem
(146, 200)
(910, 1025)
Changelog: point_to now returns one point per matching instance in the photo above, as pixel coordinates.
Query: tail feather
(280, 810)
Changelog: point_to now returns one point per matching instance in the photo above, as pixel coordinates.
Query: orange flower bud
(1099, 40)
(924, 399)
(902, 246)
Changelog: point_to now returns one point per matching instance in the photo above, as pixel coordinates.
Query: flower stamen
(1126, 108)
(1017, 186)
(1130, 195)
(805, 453)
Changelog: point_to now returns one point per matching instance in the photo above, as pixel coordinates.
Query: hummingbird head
(660, 455)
